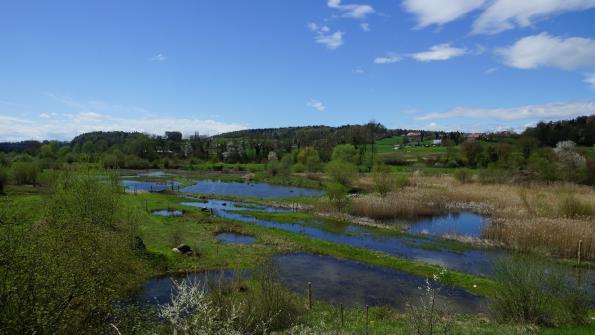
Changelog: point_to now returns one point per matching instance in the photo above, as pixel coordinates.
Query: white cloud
(491, 70)
(65, 128)
(439, 52)
(359, 70)
(365, 27)
(590, 79)
(101, 116)
(323, 35)
(502, 15)
(388, 59)
(355, 11)
(546, 50)
(439, 12)
(316, 104)
(89, 116)
(537, 112)
(159, 58)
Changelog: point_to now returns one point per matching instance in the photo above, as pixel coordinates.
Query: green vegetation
(530, 292)
(72, 244)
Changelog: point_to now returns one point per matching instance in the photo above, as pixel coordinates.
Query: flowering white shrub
(572, 164)
(192, 312)
(426, 317)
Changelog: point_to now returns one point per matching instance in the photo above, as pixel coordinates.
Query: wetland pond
(254, 190)
(419, 248)
(334, 281)
(148, 186)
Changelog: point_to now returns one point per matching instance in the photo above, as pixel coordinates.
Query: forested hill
(323, 136)
(580, 130)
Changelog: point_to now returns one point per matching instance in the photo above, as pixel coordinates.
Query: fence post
(367, 319)
(578, 256)
(342, 322)
(309, 295)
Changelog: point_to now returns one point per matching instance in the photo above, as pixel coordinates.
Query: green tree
(472, 151)
(309, 157)
(345, 153)
(342, 172)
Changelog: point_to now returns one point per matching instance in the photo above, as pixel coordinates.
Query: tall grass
(543, 218)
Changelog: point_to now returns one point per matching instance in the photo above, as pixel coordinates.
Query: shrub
(571, 207)
(25, 173)
(472, 151)
(63, 274)
(3, 180)
(463, 175)
(341, 172)
(402, 181)
(385, 181)
(309, 158)
(573, 166)
(299, 168)
(427, 317)
(529, 291)
(345, 153)
(337, 194)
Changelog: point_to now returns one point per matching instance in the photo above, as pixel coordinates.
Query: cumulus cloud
(429, 12)
(316, 104)
(495, 15)
(439, 52)
(355, 11)
(324, 35)
(365, 27)
(530, 112)
(388, 59)
(546, 50)
(159, 58)
(503, 15)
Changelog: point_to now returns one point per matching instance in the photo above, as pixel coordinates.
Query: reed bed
(544, 218)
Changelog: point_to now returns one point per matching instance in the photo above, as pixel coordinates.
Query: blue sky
(68, 67)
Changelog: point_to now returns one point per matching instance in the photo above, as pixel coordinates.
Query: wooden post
(342, 322)
(578, 255)
(367, 319)
(309, 295)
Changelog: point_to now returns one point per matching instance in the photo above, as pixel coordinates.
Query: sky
(68, 67)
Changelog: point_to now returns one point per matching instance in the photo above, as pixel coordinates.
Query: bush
(299, 168)
(25, 173)
(427, 316)
(463, 175)
(385, 181)
(571, 207)
(309, 158)
(337, 194)
(3, 180)
(63, 274)
(345, 153)
(402, 181)
(573, 166)
(529, 291)
(341, 172)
